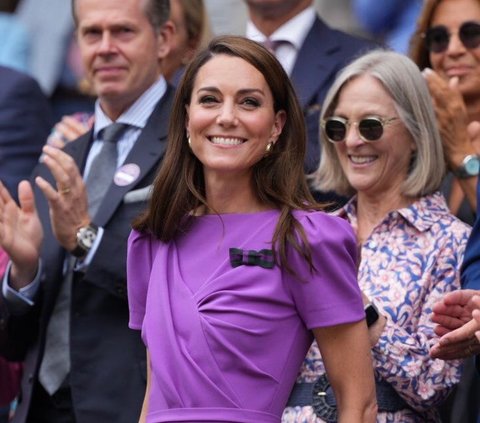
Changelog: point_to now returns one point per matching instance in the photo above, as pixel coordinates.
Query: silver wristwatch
(86, 236)
(470, 167)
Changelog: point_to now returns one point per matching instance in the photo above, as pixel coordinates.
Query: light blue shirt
(14, 43)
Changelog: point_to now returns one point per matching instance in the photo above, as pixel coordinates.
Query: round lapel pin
(126, 174)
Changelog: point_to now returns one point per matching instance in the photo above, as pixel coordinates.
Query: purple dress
(225, 342)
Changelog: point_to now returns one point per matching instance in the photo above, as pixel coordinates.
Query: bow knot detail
(262, 258)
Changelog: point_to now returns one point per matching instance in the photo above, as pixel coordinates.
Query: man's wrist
(21, 276)
(85, 239)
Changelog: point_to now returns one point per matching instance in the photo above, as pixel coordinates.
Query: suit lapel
(314, 68)
(146, 154)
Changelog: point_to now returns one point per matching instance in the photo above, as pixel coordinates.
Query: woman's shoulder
(139, 242)
(319, 219)
(319, 225)
(139, 236)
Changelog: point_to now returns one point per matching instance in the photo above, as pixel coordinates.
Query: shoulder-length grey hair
(408, 89)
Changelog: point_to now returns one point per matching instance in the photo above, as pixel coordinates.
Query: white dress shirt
(294, 32)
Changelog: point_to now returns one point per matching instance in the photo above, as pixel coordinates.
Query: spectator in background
(381, 143)
(393, 21)
(14, 39)
(55, 60)
(10, 373)
(70, 324)
(446, 46)
(310, 51)
(25, 122)
(192, 31)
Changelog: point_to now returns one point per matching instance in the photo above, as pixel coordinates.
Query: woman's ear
(187, 116)
(413, 147)
(278, 124)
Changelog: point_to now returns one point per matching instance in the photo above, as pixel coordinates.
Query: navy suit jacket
(324, 52)
(108, 360)
(25, 122)
(470, 273)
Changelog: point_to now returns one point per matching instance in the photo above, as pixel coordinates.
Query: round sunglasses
(438, 37)
(369, 128)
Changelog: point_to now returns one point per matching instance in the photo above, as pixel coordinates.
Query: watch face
(472, 166)
(87, 237)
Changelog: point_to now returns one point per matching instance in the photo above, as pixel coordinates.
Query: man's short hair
(157, 12)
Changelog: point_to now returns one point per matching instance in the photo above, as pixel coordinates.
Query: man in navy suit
(310, 51)
(25, 122)
(77, 269)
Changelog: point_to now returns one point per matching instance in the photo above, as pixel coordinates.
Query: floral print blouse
(407, 264)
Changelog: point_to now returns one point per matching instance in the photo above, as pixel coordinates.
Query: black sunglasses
(437, 38)
(369, 128)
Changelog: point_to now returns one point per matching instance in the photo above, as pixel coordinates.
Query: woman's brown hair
(418, 51)
(278, 178)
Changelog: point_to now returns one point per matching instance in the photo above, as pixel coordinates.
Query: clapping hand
(457, 325)
(21, 233)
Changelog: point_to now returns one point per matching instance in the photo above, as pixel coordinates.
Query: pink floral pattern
(407, 264)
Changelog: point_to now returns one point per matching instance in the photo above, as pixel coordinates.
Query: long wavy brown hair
(278, 178)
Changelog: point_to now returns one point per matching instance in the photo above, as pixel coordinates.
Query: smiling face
(457, 60)
(377, 168)
(231, 118)
(120, 50)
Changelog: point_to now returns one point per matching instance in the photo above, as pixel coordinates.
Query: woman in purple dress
(233, 268)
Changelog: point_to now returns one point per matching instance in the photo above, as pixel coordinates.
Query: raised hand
(67, 201)
(451, 116)
(460, 136)
(21, 233)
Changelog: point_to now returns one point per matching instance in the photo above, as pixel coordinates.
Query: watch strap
(371, 314)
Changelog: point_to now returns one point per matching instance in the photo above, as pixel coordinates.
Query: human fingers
(476, 316)
(72, 128)
(448, 321)
(435, 82)
(452, 351)
(51, 194)
(26, 197)
(68, 212)
(445, 93)
(464, 333)
(4, 194)
(441, 330)
(453, 83)
(475, 301)
(473, 130)
(459, 297)
(63, 169)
